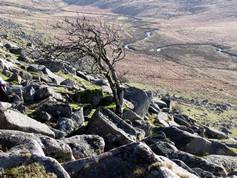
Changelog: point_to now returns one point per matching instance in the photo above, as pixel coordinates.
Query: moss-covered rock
(90, 96)
(33, 170)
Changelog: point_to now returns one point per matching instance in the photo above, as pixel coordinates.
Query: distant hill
(161, 8)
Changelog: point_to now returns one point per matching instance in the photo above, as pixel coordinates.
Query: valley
(186, 48)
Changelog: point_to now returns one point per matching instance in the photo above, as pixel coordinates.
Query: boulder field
(60, 122)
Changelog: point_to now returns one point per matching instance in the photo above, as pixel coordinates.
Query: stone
(214, 134)
(84, 146)
(13, 120)
(132, 160)
(5, 106)
(89, 96)
(113, 129)
(228, 162)
(183, 120)
(140, 99)
(195, 144)
(46, 92)
(184, 166)
(57, 109)
(10, 139)
(69, 83)
(5, 65)
(82, 75)
(163, 119)
(67, 125)
(136, 121)
(57, 65)
(52, 165)
(198, 162)
(35, 68)
(161, 104)
(57, 79)
(56, 149)
(203, 174)
(28, 94)
(25, 75)
(15, 77)
(78, 116)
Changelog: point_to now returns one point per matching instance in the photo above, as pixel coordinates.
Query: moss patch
(33, 170)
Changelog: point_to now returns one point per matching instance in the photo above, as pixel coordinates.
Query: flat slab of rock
(14, 120)
(85, 145)
(133, 160)
(195, 144)
(113, 129)
(228, 162)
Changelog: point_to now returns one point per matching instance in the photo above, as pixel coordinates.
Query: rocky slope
(59, 122)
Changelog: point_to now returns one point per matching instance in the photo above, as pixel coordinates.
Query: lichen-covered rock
(228, 162)
(133, 160)
(140, 99)
(13, 120)
(56, 149)
(113, 129)
(57, 109)
(195, 144)
(46, 92)
(136, 121)
(85, 145)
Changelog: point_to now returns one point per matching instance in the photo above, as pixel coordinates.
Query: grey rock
(161, 104)
(46, 92)
(57, 79)
(28, 94)
(52, 165)
(13, 120)
(136, 121)
(203, 174)
(35, 68)
(67, 125)
(25, 75)
(15, 77)
(140, 99)
(57, 109)
(228, 162)
(43, 116)
(10, 139)
(184, 166)
(69, 83)
(195, 144)
(82, 75)
(78, 116)
(198, 162)
(5, 65)
(133, 160)
(56, 65)
(85, 145)
(56, 149)
(113, 129)
(214, 134)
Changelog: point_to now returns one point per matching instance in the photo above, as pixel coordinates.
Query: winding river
(148, 34)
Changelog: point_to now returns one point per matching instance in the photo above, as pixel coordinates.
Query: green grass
(207, 116)
(33, 170)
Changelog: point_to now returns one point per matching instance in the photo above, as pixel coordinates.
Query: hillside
(179, 78)
(59, 121)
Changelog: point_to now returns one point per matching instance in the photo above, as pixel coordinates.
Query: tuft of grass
(33, 170)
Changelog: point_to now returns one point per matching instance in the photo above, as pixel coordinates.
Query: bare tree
(101, 42)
